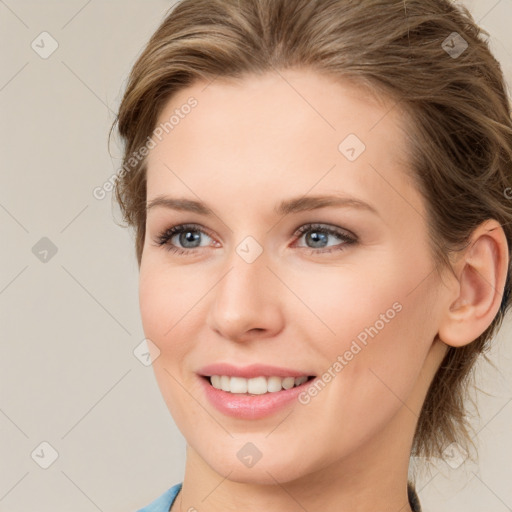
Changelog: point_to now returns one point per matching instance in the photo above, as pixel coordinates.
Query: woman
(320, 192)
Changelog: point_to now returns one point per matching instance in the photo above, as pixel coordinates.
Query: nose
(246, 302)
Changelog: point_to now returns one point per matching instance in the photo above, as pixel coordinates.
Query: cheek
(348, 303)
(382, 301)
(166, 297)
(380, 334)
(155, 304)
(162, 306)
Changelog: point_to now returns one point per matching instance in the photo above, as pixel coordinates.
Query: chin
(270, 473)
(270, 467)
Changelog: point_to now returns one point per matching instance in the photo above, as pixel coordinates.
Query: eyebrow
(288, 206)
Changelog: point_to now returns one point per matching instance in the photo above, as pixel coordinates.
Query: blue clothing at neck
(164, 502)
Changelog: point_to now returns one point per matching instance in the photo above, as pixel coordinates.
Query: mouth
(255, 386)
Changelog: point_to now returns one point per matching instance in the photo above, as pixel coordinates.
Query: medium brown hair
(455, 106)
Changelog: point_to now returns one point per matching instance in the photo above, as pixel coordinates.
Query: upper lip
(251, 371)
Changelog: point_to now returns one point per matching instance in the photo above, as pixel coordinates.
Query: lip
(251, 371)
(251, 407)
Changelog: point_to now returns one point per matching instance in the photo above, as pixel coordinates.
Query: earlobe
(481, 271)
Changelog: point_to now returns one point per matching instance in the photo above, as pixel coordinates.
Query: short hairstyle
(428, 56)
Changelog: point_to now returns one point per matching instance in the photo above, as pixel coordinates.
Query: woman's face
(247, 288)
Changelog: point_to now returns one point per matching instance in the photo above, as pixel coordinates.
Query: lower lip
(251, 407)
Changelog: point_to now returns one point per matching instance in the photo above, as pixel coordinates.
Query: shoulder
(163, 502)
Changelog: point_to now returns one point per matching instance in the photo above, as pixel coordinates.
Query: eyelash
(164, 238)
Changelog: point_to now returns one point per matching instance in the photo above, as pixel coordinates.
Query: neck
(371, 478)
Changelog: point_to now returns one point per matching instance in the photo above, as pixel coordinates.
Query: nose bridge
(247, 269)
(245, 297)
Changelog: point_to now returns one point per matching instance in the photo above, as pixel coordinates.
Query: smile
(256, 385)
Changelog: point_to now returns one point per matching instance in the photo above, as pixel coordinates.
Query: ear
(474, 298)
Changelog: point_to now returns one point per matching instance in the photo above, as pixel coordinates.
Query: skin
(247, 146)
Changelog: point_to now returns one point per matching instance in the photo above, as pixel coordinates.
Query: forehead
(300, 100)
(296, 130)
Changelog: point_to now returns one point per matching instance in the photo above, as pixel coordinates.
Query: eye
(318, 235)
(189, 237)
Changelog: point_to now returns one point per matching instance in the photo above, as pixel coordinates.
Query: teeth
(255, 386)
(224, 383)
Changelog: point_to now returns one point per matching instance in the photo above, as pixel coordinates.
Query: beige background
(69, 326)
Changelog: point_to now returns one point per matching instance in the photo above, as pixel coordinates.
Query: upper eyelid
(325, 227)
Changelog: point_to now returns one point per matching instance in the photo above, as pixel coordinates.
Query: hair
(455, 108)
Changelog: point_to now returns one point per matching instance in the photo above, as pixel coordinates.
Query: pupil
(189, 236)
(316, 236)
